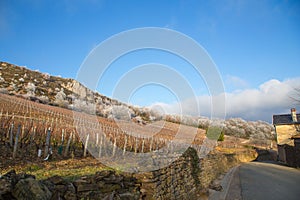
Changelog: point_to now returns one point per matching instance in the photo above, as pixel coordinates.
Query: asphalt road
(260, 181)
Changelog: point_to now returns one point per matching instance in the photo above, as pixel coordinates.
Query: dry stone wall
(189, 177)
(179, 180)
(186, 178)
(216, 164)
(103, 185)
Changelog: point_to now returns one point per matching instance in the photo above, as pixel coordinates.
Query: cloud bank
(271, 97)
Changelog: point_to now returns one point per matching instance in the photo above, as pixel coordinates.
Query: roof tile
(284, 119)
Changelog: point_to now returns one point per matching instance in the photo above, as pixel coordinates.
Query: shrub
(221, 137)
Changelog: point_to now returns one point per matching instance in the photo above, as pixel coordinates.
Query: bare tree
(295, 95)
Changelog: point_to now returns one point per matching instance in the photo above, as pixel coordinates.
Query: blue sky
(254, 44)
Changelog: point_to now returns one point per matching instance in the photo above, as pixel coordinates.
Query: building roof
(285, 119)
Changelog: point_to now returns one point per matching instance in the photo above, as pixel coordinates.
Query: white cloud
(271, 97)
(235, 82)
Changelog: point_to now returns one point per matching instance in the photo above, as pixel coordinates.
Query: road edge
(231, 186)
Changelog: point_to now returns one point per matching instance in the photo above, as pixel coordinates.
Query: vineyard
(31, 131)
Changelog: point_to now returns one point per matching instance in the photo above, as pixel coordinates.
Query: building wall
(297, 151)
(284, 133)
(281, 153)
(290, 155)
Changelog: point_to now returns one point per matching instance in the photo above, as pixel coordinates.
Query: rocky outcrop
(77, 88)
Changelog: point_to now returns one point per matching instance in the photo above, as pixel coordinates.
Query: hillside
(64, 92)
(69, 93)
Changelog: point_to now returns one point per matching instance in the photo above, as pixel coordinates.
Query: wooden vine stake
(115, 146)
(136, 145)
(23, 128)
(100, 146)
(143, 144)
(125, 144)
(11, 135)
(97, 139)
(16, 141)
(48, 136)
(151, 143)
(60, 148)
(33, 135)
(68, 145)
(86, 144)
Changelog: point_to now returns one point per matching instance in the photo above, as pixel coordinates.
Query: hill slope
(64, 92)
(69, 93)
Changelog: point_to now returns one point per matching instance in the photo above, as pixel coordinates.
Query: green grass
(69, 174)
(214, 132)
(70, 169)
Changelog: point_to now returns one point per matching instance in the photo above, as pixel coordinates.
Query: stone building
(287, 127)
